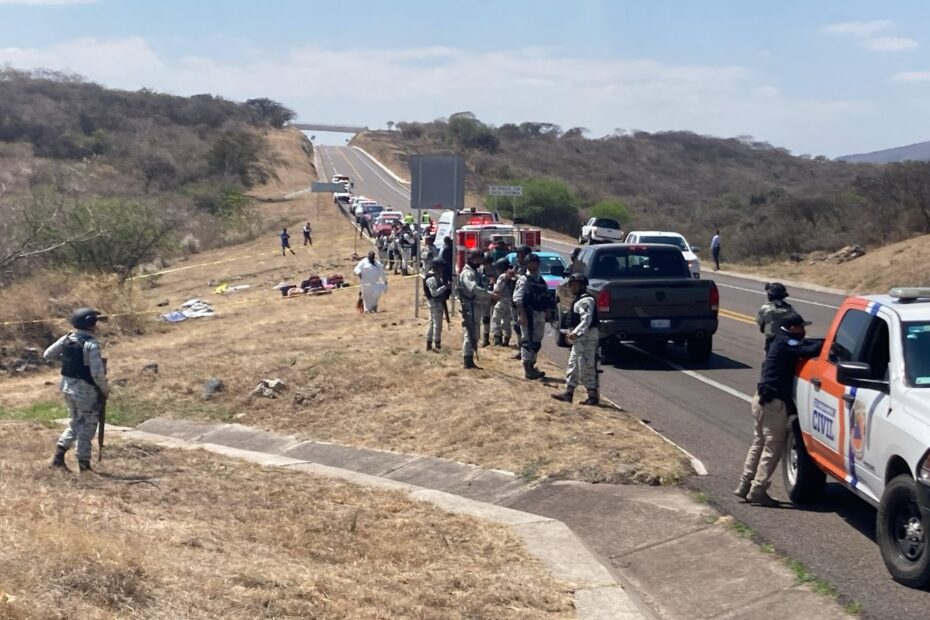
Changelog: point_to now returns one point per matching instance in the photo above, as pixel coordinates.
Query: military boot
(429, 345)
(532, 373)
(486, 340)
(506, 341)
(565, 397)
(470, 363)
(84, 466)
(437, 347)
(59, 459)
(498, 340)
(593, 398)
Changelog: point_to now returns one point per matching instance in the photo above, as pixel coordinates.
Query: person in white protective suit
(374, 281)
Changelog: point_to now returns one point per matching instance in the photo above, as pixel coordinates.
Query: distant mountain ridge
(915, 152)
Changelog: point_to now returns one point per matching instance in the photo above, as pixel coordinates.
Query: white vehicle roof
(917, 310)
(655, 233)
(390, 215)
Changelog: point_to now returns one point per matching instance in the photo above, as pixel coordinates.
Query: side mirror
(695, 249)
(557, 270)
(859, 374)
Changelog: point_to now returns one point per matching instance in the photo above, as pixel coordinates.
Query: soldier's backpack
(537, 296)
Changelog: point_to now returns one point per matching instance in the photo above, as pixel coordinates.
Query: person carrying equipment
(773, 312)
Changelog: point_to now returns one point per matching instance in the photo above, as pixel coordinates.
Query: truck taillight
(603, 301)
(714, 297)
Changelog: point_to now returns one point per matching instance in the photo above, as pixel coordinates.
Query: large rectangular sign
(331, 188)
(437, 182)
(505, 190)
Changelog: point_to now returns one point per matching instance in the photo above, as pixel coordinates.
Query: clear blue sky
(828, 77)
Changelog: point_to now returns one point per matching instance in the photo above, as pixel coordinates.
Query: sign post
(511, 191)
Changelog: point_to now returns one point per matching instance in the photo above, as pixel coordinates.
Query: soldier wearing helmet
(474, 296)
(584, 337)
(533, 301)
(502, 316)
(773, 312)
(83, 385)
(436, 292)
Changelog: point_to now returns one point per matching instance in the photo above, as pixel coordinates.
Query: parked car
(863, 417)
(386, 221)
(341, 178)
(552, 267)
(601, 230)
(360, 208)
(645, 294)
(342, 197)
(689, 252)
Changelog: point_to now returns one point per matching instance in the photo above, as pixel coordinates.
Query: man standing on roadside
(502, 316)
(531, 297)
(446, 256)
(715, 249)
(773, 311)
(286, 243)
(373, 278)
(83, 384)
(474, 297)
(770, 408)
(307, 231)
(583, 335)
(436, 292)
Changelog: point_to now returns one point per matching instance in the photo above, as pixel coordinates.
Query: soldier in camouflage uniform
(584, 338)
(474, 296)
(773, 311)
(83, 385)
(502, 316)
(436, 293)
(531, 297)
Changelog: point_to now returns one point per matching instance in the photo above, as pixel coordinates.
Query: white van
(466, 217)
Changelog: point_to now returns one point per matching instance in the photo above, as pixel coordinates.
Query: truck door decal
(823, 423)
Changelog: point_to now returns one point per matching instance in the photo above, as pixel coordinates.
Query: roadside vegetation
(179, 533)
(768, 203)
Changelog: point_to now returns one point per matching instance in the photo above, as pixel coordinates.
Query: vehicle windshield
(639, 263)
(678, 242)
(917, 354)
(546, 263)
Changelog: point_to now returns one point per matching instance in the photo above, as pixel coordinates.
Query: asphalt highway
(705, 409)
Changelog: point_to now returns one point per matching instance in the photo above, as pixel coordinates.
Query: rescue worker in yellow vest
(773, 312)
(83, 385)
(584, 337)
(474, 295)
(532, 299)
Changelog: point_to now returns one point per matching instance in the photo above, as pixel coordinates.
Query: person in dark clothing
(446, 256)
(286, 243)
(307, 230)
(770, 408)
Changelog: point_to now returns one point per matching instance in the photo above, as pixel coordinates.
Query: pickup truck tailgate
(658, 299)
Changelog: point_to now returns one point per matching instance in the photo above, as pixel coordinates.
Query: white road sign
(505, 190)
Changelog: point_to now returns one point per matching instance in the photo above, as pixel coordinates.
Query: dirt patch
(174, 533)
(901, 264)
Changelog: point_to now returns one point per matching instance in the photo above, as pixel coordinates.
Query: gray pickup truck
(645, 294)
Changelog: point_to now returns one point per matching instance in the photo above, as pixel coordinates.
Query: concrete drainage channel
(465, 489)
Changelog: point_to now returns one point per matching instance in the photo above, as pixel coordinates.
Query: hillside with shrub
(767, 202)
(102, 181)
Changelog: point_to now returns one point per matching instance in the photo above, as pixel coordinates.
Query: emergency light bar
(906, 294)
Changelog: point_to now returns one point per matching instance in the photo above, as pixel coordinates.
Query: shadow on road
(625, 357)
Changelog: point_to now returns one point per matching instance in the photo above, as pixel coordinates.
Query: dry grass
(185, 534)
(291, 155)
(906, 263)
(360, 380)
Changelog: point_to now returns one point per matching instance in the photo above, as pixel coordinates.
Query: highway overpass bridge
(322, 127)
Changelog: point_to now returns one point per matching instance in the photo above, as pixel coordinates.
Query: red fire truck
(486, 236)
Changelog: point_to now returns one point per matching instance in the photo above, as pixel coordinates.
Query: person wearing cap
(502, 315)
(474, 296)
(532, 299)
(576, 265)
(584, 337)
(436, 292)
(773, 311)
(373, 279)
(83, 385)
(519, 268)
(770, 407)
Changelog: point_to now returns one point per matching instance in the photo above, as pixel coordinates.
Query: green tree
(272, 112)
(548, 203)
(614, 209)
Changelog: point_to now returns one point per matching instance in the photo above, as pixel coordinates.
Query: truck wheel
(609, 350)
(902, 533)
(803, 480)
(700, 348)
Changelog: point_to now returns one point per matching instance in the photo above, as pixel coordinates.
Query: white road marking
(364, 159)
(696, 375)
(791, 299)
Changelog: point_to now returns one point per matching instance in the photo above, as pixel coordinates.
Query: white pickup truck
(863, 417)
